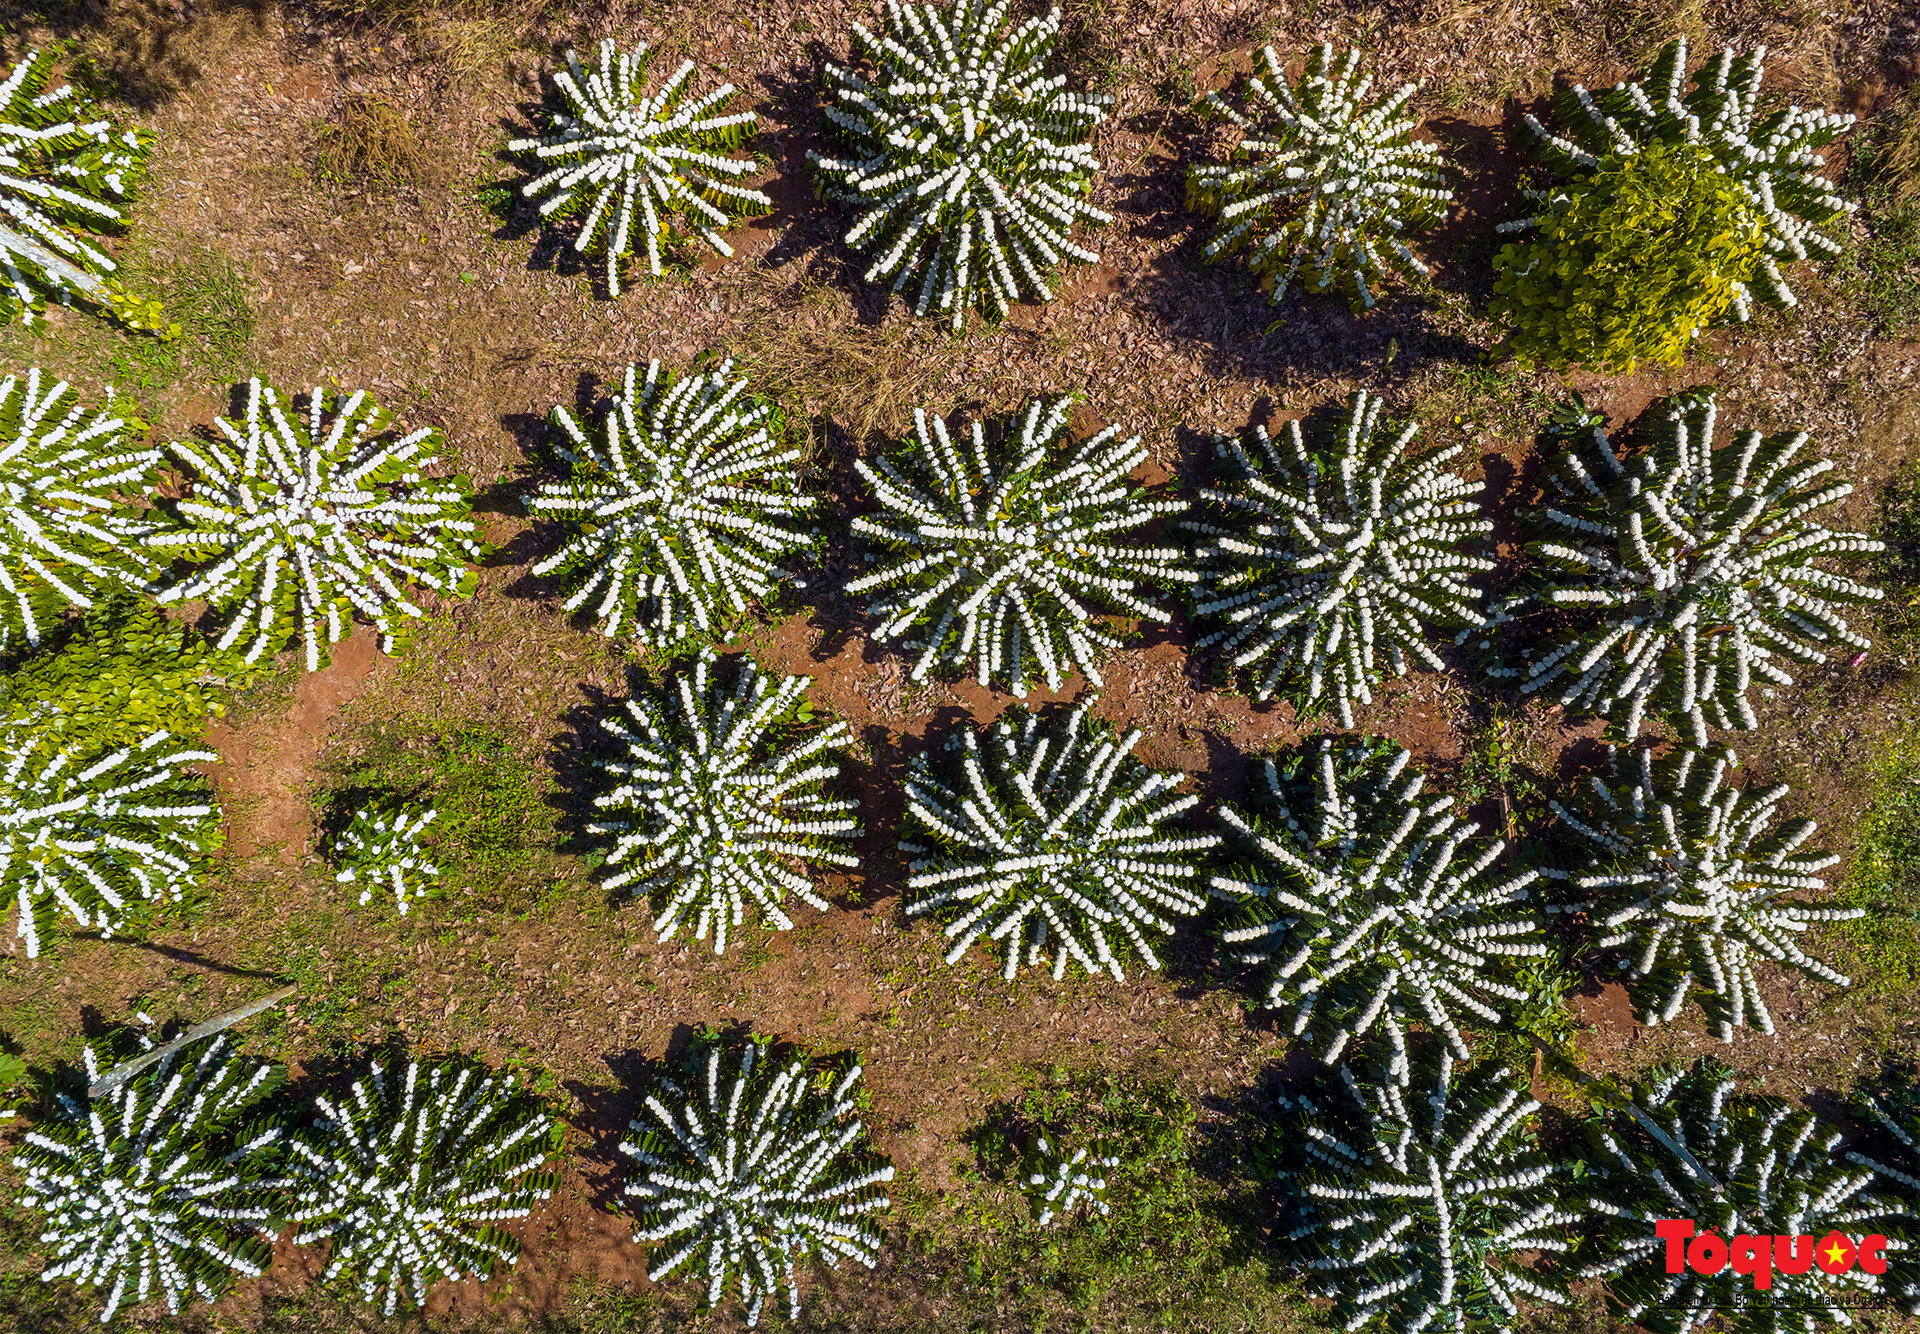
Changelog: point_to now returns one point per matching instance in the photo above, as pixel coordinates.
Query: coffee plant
(1325, 184)
(1325, 566)
(1411, 1198)
(757, 1168)
(66, 535)
(656, 164)
(966, 165)
(157, 1188)
(679, 517)
(91, 832)
(1002, 555)
(66, 174)
(407, 1176)
(1689, 572)
(1892, 1152)
(1372, 906)
(299, 522)
(1060, 1184)
(1670, 210)
(1049, 836)
(1690, 878)
(1732, 1164)
(719, 792)
(380, 850)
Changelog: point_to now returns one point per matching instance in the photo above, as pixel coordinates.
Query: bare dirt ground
(408, 282)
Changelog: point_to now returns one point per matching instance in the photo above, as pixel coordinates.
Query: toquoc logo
(1709, 1253)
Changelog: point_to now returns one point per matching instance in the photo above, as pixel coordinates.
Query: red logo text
(1709, 1253)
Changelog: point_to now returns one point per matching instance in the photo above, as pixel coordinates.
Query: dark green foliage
(1733, 1164)
(1628, 263)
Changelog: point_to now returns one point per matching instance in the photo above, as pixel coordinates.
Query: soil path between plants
(267, 769)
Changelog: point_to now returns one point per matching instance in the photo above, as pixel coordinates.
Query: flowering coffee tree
(408, 1174)
(1691, 571)
(966, 164)
(156, 1189)
(1331, 185)
(719, 793)
(1689, 876)
(1370, 906)
(1331, 562)
(756, 1168)
(1411, 1201)
(1058, 1183)
(681, 516)
(380, 849)
(1892, 1152)
(65, 176)
(635, 162)
(1050, 837)
(64, 533)
(1002, 555)
(1733, 1165)
(90, 831)
(1769, 159)
(302, 521)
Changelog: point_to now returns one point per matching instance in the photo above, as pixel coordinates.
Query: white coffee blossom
(965, 163)
(1061, 1183)
(752, 1172)
(1333, 183)
(1418, 1222)
(682, 512)
(66, 533)
(1325, 566)
(408, 1176)
(1005, 555)
(633, 162)
(1770, 157)
(719, 797)
(298, 523)
(156, 1189)
(66, 174)
(1688, 876)
(1373, 906)
(1689, 573)
(90, 831)
(1050, 837)
(380, 850)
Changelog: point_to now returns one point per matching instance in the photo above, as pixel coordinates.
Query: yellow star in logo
(1835, 1252)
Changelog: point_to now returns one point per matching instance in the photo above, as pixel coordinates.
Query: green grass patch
(1882, 949)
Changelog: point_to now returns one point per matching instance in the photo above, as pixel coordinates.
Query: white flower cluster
(1001, 557)
(1050, 837)
(381, 849)
(1417, 1223)
(301, 523)
(1369, 906)
(966, 164)
(1771, 157)
(65, 173)
(154, 1189)
(720, 791)
(679, 521)
(1698, 569)
(752, 1172)
(1732, 1164)
(90, 832)
(1893, 1154)
(64, 532)
(1333, 183)
(1062, 1183)
(408, 1175)
(621, 152)
(1332, 562)
(1688, 875)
